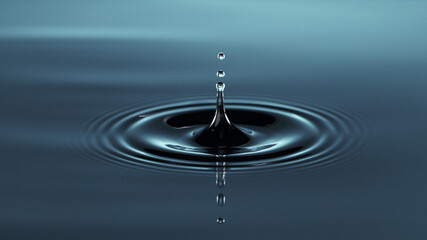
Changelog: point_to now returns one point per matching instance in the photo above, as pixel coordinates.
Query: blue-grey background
(61, 62)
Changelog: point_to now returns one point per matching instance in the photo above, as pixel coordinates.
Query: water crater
(191, 135)
(242, 135)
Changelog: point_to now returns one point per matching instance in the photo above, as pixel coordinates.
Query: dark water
(65, 65)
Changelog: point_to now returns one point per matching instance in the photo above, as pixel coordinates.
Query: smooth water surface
(64, 64)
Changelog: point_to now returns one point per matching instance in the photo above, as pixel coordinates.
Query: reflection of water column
(220, 182)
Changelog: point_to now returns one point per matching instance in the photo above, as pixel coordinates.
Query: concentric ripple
(281, 136)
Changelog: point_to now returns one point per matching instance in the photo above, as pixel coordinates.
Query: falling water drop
(220, 74)
(220, 56)
(220, 220)
(220, 199)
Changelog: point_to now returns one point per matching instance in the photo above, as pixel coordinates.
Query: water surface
(62, 63)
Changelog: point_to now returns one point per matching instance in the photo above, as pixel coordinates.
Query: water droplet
(220, 220)
(220, 56)
(220, 74)
(220, 199)
(220, 86)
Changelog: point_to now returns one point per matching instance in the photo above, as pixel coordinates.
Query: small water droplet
(220, 220)
(220, 86)
(220, 74)
(220, 199)
(220, 56)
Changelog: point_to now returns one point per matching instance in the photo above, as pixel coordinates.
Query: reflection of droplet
(220, 173)
(220, 220)
(220, 199)
(220, 56)
(220, 183)
(220, 74)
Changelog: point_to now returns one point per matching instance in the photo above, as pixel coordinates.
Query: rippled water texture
(280, 136)
(87, 86)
